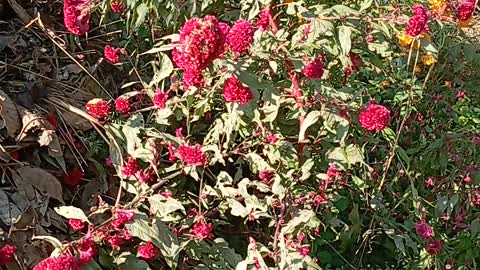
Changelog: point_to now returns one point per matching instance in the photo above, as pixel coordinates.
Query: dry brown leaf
(49, 138)
(43, 181)
(77, 121)
(24, 187)
(9, 114)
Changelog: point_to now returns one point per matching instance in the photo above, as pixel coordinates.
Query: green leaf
(366, 4)
(345, 38)
(166, 68)
(70, 212)
(162, 206)
(160, 235)
(142, 11)
(311, 118)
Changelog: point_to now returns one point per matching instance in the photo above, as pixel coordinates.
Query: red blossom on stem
(114, 241)
(64, 262)
(87, 250)
(130, 168)
(112, 53)
(418, 23)
(160, 98)
(263, 21)
(122, 105)
(235, 91)
(304, 251)
(148, 251)
(202, 230)
(465, 10)
(240, 36)
(374, 117)
(314, 69)
(117, 6)
(7, 253)
(98, 108)
(266, 176)
(423, 229)
(433, 246)
(76, 16)
(76, 224)
(192, 154)
(121, 217)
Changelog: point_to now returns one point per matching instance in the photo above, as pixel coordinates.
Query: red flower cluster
(235, 91)
(130, 168)
(263, 21)
(76, 16)
(314, 69)
(147, 251)
(418, 23)
(87, 250)
(114, 241)
(6, 254)
(433, 246)
(122, 105)
(117, 6)
(201, 42)
(122, 217)
(98, 108)
(76, 224)
(112, 53)
(374, 117)
(160, 98)
(464, 10)
(423, 229)
(65, 262)
(192, 155)
(240, 36)
(73, 177)
(202, 230)
(266, 176)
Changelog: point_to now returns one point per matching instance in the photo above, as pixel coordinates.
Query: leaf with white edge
(257, 162)
(366, 4)
(300, 218)
(160, 235)
(345, 38)
(70, 212)
(52, 240)
(311, 118)
(165, 69)
(163, 206)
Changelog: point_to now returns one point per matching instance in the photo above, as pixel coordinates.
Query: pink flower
(333, 172)
(240, 36)
(418, 23)
(433, 246)
(475, 198)
(87, 250)
(144, 176)
(192, 155)
(7, 253)
(314, 69)
(98, 108)
(117, 6)
(304, 251)
(202, 230)
(76, 16)
(64, 262)
(122, 105)
(319, 199)
(430, 182)
(467, 179)
(235, 91)
(179, 132)
(108, 163)
(147, 251)
(76, 224)
(266, 176)
(201, 42)
(374, 117)
(122, 217)
(192, 77)
(423, 229)
(130, 168)
(465, 10)
(160, 98)
(73, 177)
(171, 153)
(114, 241)
(111, 53)
(461, 95)
(263, 21)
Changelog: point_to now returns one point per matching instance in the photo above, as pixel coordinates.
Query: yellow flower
(437, 5)
(405, 40)
(464, 23)
(428, 60)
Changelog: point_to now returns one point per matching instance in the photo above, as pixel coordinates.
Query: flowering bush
(293, 135)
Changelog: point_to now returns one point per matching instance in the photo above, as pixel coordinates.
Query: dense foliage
(283, 135)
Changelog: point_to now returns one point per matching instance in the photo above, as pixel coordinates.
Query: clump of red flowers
(98, 108)
(122, 105)
(465, 10)
(423, 229)
(374, 118)
(201, 42)
(6, 254)
(263, 21)
(117, 6)
(73, 177)
(76, 224)
(112, 54)
(240, 36)
(266, 176)
(130, 168)
(160, 98)
(418, 23)
(76, 16)
(202, 230)
(64, 262)
(87, 250)
(235, 91)
(433, 246)
(192, 154)
(147, 251)
(314, 69)
(121, 217)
